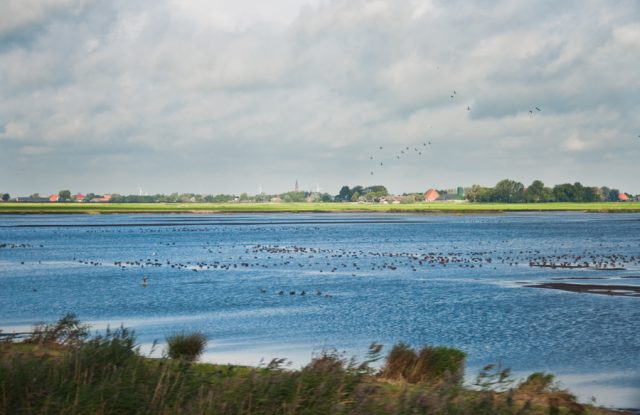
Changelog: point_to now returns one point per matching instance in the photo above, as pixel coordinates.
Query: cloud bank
(229, 96)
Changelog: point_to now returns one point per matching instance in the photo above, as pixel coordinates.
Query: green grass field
(446, 207)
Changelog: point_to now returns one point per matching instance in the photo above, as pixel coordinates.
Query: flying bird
(468, 109)
(538, 109)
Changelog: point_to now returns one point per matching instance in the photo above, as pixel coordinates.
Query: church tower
(297, 189)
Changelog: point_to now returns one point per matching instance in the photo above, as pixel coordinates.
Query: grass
(106, 374)
(447, 207)
(187, 346)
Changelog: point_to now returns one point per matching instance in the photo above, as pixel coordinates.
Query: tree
(6, 197)
(508, 191)
(591, 194)
(378, 190)
(326, 197)
(355, 196)
(578, 192)
(345, 194)
(64, 195)
(476, 193)
(613, 196)
(537, 193)
(563, 192)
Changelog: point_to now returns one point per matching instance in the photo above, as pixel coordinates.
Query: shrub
(187, 346)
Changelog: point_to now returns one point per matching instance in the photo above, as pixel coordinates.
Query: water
(468, 291)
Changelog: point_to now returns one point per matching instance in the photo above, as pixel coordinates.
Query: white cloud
(308, 89)
(16, 14)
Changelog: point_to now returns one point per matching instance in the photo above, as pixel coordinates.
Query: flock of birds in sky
(420, 148)
(405, 151)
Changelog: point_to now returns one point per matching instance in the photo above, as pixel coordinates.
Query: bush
(187, 346)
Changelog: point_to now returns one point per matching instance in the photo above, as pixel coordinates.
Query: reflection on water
(265, 286)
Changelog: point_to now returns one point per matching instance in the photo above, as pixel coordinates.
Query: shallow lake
(422, 279)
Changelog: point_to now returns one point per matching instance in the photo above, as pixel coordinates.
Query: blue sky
(232, 96)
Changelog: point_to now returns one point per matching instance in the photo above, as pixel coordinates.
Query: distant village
(505, 191)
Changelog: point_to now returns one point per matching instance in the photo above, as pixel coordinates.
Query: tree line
(511, 191)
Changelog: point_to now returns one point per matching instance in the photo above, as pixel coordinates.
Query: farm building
(54, 198)
(102, 199)
(431, 195)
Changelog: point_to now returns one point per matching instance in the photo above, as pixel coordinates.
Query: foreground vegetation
(449, 207)
(60, 370)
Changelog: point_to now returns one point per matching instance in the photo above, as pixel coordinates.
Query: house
(102, 199)
(622, 197)
(276, 200)
(54, 198)
(32, 199)
(79, 197)
(431, 195)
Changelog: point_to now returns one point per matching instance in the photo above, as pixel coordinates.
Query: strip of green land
(443, 207)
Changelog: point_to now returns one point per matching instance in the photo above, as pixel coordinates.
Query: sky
(231, 96)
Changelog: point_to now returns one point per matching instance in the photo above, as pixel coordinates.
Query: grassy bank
(447, 207)
(61, 370)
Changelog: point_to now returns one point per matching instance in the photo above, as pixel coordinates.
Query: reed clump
(427, 365)
(187, 346)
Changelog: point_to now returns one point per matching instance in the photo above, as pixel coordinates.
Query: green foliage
(538, 193)
(293, 197)
(64, 195)
(187, 346)
(6, 197)
(509, 191)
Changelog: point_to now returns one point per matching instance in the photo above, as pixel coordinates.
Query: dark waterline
(452, 280)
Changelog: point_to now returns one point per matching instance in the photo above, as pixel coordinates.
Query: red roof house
(431, 195)
(79, 197)
(623, 197)
(105, 198)
(54, 198)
